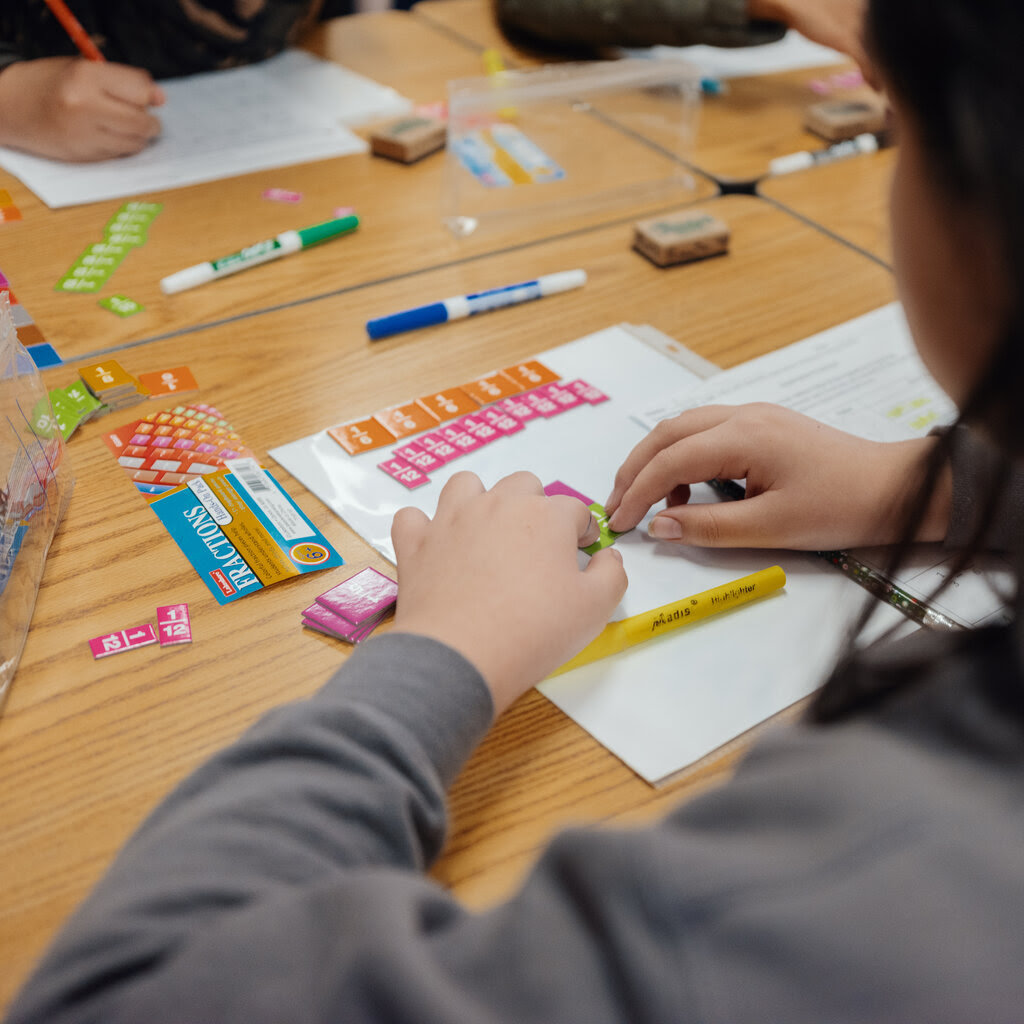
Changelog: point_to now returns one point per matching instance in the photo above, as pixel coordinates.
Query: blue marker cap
(408, 320)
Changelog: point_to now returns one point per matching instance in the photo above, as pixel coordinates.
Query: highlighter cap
(329, 229)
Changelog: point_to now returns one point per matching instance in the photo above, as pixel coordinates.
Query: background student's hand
(495, 576)
(809, 486)
(79, 110)
(835, 23)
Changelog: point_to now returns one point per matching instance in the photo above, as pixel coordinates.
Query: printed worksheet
(864, 377)
(287, 110)
(790, 53)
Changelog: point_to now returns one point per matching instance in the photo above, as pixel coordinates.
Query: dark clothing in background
(593, 24)
(166, 37)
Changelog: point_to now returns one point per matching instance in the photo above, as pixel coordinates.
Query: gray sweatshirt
(868, 871)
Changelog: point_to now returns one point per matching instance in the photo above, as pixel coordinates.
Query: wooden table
(758, 119)
(87, 748)
(400, 209)
(850, 198)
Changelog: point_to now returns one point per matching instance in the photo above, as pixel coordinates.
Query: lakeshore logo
(222, 582)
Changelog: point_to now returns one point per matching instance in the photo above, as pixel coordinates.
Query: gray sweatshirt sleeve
(976, 463)
(869, 872)
(596, 23)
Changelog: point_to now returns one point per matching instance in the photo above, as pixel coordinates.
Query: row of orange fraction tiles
(384, 428)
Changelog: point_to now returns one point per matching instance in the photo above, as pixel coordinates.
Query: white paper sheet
(666, 704)
(864, 377)
(790, 53)
(287, 110)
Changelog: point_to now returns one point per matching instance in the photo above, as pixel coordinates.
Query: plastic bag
(35, 486)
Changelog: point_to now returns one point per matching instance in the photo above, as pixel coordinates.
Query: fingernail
(665, 528)
(613, 522)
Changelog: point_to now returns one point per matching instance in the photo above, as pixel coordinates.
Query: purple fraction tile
(362, 596)
(557, 487)
(589, 394)
(327, 619)
(311, 624)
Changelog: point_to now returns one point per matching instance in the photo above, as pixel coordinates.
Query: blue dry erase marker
(460, 306)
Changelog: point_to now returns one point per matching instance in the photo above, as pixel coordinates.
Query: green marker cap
(329, 229)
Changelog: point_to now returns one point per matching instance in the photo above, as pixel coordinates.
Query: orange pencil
(74, 29)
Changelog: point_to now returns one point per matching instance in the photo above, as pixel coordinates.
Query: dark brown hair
(955, 67)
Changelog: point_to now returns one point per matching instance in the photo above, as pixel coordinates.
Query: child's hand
(835, 23)
(495, 576)
(809, 486)
(80, 110)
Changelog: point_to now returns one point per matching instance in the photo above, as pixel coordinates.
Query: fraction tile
(492, 387)
(447, 405)
(530, 373)
(404, 420)
(362, 436)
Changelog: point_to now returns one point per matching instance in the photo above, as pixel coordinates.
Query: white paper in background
(864, 377)
(287, 110)
(792, 52)
(666, 704)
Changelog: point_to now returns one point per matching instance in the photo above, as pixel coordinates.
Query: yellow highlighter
(618, 636)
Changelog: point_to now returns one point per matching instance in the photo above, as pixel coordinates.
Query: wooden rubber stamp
(408, 139)
(837, 120)
(681, 237)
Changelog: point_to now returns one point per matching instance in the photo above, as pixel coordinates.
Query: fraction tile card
(366, 594)
(173, 625)
(123, 640)
(169, 448)
(241, 531)
(168, 382)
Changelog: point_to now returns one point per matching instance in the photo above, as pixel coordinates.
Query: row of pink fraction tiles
(172, 622)
(410, 463)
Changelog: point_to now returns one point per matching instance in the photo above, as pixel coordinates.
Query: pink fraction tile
(173, 624)
(557, 487)
(124, 640)
(361, 596)
(540, 403)
(479, 428)
(282, 195)
(404, 472)
(589, 394)
(418, 456)
(462, 442)
(561, 395)
(503, 422)
(518, 408)
(438, 447)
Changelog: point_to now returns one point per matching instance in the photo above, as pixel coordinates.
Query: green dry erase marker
(261, 252)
